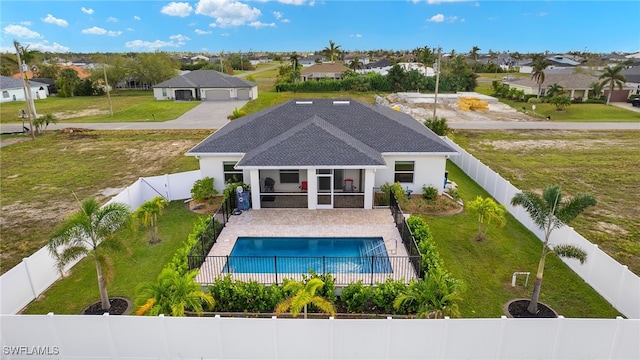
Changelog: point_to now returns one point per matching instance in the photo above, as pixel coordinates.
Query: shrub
(180, 263)
(438, 126)
(454, 194)
(356, 297)
(239, 296)
(429, 192)
(387, 188)
(203, 189)
(385, 293)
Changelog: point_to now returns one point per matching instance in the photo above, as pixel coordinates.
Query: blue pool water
(299, 255)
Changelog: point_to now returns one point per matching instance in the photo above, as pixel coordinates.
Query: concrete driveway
(207, 115)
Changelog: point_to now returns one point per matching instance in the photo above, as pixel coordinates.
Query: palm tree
(295, 66)
(302, 296)
(560, 101)
(549, 212)
(435, 295)
(554, 89)
(537, 71)
(596, 89)
(42, 122)
(331, 51)
(474, 52)
(612, 77)
(86, 233)
(488, 211)
(355, 64)
(148, 213)
(172, 294)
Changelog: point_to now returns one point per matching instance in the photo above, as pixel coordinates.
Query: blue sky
(306, 25)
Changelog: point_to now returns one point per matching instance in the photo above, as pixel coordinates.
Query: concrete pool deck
(310, 223)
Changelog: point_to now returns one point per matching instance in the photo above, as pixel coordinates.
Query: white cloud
(112, 19)
(100, 31)
(175, 41)
(136, 17)
(202, 32)
(225, 34)
(181, 9)
(356, 35)
(21, 32)
(228, 12)
(436, 18)
(87, 11)
(292, 2)
(44, 46)
(130, 29)
(277, 15)
(286, 21)
(436, 2)
(259, 25)
(25, 23)
(50, 19)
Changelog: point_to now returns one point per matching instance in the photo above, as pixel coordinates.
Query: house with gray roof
(205, 85)
(13, 90)
(323, 154)
(576, 86)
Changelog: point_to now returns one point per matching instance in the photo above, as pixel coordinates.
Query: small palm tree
(237, 113)
(172, 294)
(550, 212)
(332, 51)
(148, 213)
(554, 89)
(43, 122)
(86, 233)
(488, 211)
(560, 101)
(596, 89)
(303, 295)
(537, 72)
(612, 77)
(435, 295)
(355, 64)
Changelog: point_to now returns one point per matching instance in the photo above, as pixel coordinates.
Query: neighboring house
(205, 85)
(576, 86)
(13, 89)
(311, 60)
(424, 70)
(633, 78)
(362, 58)
(323, 71)
(381, 67)
(322, 153)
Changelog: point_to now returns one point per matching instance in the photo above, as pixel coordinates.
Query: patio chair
(268, 184)
(348, 185)
(304, 186)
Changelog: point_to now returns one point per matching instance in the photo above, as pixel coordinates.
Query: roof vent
(304, 102)
(341, 102)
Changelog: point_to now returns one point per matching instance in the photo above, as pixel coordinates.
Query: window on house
(232, 174)
(5, 94)
(289, 176)
(404, 171)
(164, 92)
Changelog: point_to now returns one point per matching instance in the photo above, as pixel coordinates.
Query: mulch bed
(119, 306)
(518, 309)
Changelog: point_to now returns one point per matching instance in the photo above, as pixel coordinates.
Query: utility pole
(27, 90)
(435, 99)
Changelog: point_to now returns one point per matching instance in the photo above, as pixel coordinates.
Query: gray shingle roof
(567, 81)
(322, 132)
(205, 79)
(7, 83)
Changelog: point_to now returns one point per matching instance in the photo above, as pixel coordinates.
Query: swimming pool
(299, 255)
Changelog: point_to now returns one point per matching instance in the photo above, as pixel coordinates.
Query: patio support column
(369, 181)
(312, 189)
(254, 181)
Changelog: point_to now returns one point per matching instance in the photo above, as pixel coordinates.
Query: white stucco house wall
(323, 154)
(205, 85)
(13, 90)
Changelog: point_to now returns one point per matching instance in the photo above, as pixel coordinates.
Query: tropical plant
(596, 90)
(550, 212)
(172, 294)
(434, 296)
(355, 64)
(87, 232)
(236, 114)
(67, 82)
(301, 295)
(429, 192)
(294, 72)
(332, 51)
(537, 71)
(41, 123)
(437, 125)
(554, 89)
(612, 77)
(560, 101)
(148, 213)
(488, 211)
(203, 189)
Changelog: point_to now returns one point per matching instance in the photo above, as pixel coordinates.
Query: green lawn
(128, 106)
(486, 267)
(136, 263)
(603, 163)
(39, 178)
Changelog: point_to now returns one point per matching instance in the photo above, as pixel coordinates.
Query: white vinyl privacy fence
(27, 280)
(615, 282)
(136, 337)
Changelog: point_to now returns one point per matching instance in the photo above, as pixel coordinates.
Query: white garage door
(243, 94)
(218, 95)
